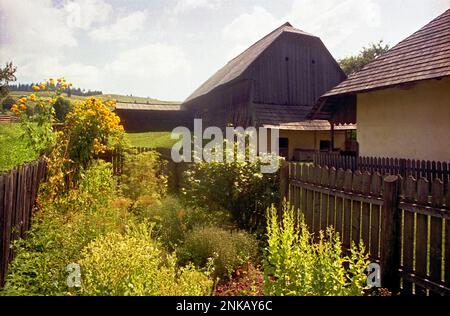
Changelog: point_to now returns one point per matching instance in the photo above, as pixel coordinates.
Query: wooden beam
(332, 136)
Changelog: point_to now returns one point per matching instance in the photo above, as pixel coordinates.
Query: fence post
(402, 168)
(284, 183)
(390, 255)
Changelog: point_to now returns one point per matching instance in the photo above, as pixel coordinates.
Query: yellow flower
(43, 86)
(22, 100)
(23, 107)
(15, 109)
(33, 97)
(34, 87)
(52, 82)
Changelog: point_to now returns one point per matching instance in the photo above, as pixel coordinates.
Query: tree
(353, 64)
(62, 107)
(6, 76)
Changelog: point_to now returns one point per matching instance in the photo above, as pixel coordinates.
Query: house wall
(411, 123)
(310, 140)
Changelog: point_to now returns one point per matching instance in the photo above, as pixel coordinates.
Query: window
(325, 145)
(284, 143)
(284, 147)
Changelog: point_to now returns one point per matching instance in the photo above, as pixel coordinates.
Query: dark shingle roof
(290, 117)
(423, 55)
(235, 67)
(147, 107)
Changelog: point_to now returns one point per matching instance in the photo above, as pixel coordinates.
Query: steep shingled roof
(423, 55)
(235, 67)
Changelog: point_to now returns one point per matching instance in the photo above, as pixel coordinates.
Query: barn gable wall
(295, 70)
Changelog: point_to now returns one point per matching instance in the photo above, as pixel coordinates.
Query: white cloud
(147, 70)
(248, 28)
(84, 14)
(316, 17)
(183, 6)
(347, 18)
(124, 29)
(31, 42)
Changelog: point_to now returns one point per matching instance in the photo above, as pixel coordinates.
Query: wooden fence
(405, 167)
(18, 191)
(404, 227)
(173, 170)
(8, 119)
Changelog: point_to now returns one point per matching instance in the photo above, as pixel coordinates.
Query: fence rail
(430, 170)
(403, 225)
(18, 191)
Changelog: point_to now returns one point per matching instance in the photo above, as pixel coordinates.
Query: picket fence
(404, 226)
(18, 192)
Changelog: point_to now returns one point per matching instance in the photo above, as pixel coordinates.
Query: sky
(166, 48)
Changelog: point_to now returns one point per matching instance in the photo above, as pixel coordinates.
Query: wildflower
(52, 82)
(15, 109)
(22, 100)
(34, 87)
(43, 86)
(33, 97)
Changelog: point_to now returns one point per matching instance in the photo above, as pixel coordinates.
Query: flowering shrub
(296, 265)
(135, 265)
(89, 129)
(239, 187)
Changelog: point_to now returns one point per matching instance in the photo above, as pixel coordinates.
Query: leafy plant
(174, 220)
(133, 264)
(237, 186)
(143, 180)
(7, 103)
(62, 108)
(60, 230)
(228, 250)
(297, 265)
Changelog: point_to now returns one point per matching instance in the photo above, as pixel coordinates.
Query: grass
(151, 139)
(117, 97)
(13, 150)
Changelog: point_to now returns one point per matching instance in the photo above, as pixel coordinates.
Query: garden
(225, 232)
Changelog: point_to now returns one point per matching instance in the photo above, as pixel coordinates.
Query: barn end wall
(295, 70)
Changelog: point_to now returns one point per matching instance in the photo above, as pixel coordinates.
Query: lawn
(117, 97)
(13, 149)
(151, 139)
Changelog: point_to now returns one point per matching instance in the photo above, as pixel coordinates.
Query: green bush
(133, 264)
(143, 179)
(61, 230)
(7, 103)
(62, 107)
(296, 265)
(229, 250)
(239, 187)
(174, 219)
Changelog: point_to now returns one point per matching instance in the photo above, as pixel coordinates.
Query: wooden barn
(401, 100)
(275, 83)
(137, 117)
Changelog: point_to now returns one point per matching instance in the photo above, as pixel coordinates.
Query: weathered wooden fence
(405, 167)
(404, 227)
(18, 191)
(174, 170)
